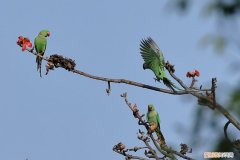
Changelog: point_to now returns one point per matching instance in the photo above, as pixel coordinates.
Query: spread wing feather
(152, 55)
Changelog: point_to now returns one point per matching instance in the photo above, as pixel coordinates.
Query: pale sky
(65, 116)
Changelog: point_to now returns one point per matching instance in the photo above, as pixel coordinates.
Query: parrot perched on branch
(154, 122)
(154, 60)
(40, 44)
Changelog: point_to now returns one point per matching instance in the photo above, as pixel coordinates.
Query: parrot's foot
(156, 80)
(31, 50)
(163, 144)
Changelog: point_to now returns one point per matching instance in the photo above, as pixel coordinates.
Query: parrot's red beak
(48, 34)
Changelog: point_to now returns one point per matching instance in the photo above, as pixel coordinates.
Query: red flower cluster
(193, 74)
(24, 43)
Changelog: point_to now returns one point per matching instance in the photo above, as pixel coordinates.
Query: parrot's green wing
(158, 119)
(152, 56)
(40, 44)
(152, 116)
(154, 60)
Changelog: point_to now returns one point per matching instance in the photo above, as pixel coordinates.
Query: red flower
(193, 74)
(20, 40)
(24, 43)
(197, 73)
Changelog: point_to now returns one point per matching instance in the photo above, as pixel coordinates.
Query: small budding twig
(60, 61)
(214, 86)
(211, 102)
(108, 90)
(136, 112)
(135, 149)
(185, 149)
(193, 82)
(120, 149)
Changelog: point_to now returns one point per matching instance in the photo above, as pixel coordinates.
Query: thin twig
(120, 148)
(135, 149)
(129, 82)
(153, 152)
(214, 80)
(237, 146)
(108, 90)
(225, 131)
(128, 156)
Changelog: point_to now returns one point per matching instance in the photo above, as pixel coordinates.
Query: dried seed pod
(60, 61)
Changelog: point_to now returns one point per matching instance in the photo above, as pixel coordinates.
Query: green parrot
(40, 44)
(154, 60)
(154, 119)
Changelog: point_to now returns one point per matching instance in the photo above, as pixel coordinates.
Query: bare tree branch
(166, 151)
(198, 93)
(129, 82)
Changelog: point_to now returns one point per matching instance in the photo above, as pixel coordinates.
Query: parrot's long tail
(39, 64)
(160, 137)
(170, 84)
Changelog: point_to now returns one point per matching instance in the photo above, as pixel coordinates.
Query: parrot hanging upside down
(154, 60)
(154, 120)
(40, 44)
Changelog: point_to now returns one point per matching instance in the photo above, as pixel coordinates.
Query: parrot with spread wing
(154, 122)
(154, 60)
(40, 44)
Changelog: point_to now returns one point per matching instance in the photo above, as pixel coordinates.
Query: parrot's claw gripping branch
(169, 67)
(167, 152)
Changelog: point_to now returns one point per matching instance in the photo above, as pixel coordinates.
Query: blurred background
(66, 116)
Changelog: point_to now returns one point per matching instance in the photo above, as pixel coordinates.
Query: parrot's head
(44, 33)
(150, 108)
